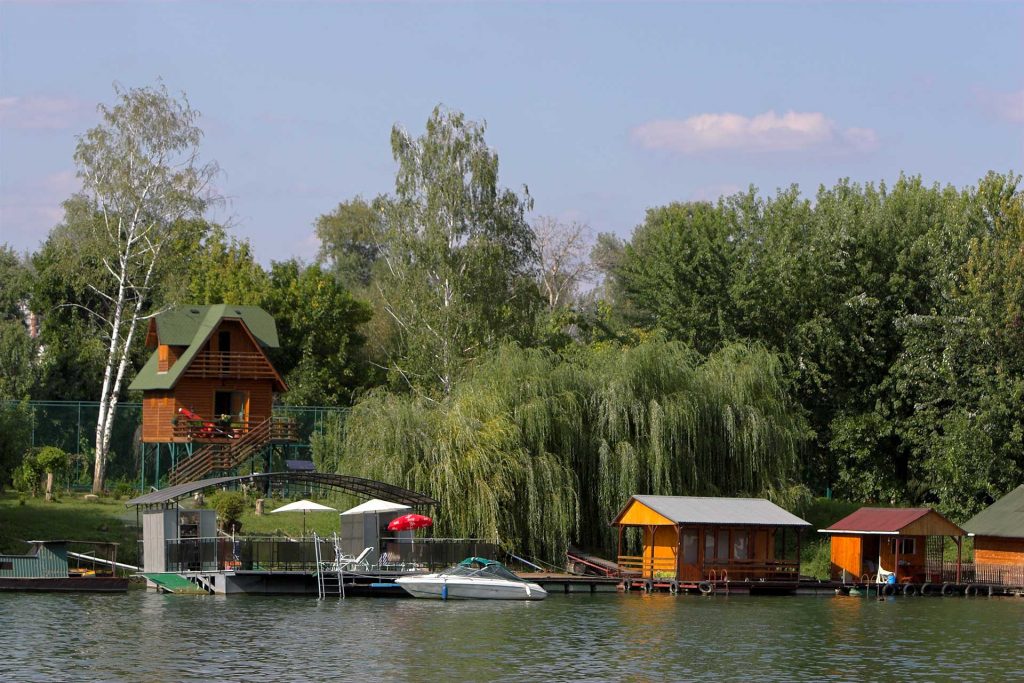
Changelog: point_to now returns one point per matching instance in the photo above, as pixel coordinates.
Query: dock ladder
(330, 579)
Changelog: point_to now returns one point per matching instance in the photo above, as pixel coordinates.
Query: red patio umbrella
(410, 522)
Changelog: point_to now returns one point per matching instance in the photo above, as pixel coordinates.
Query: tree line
(864, 341)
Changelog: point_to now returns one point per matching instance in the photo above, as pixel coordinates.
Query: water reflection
(606, 637)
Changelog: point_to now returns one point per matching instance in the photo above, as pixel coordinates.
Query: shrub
(229, 506)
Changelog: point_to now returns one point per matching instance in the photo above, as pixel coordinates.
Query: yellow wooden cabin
(692, 539)
(872, 543)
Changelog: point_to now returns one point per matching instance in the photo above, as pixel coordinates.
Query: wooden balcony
(236, 365)
(734, 570)
(281, 430)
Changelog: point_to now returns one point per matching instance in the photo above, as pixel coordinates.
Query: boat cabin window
(739, 545)
(906, 545)
(690, 548)
(723, 545)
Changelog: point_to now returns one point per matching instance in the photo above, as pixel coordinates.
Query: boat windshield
(477, 566)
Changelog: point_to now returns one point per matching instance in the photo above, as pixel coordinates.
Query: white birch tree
(455, 252)
(141, 172)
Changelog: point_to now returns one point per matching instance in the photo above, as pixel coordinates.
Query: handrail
(230, 364)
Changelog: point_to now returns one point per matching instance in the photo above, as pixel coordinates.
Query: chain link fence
(71, 427)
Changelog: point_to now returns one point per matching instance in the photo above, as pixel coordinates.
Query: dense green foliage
(868, 340)
(531, 446)
(896, 311)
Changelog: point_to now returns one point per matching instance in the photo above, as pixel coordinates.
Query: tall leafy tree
(224, 270)
(456, 253)
(318, 322)
(141, 175)
(349, 241)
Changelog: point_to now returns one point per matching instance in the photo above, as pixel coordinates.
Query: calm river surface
(144, 636)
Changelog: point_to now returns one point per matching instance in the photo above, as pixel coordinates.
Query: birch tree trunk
(141, 174)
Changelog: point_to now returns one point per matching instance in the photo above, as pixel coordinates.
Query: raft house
(998, 534)
(710, 545)
(899, 551)
(46, 567)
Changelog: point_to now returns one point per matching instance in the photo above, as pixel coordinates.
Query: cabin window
(224, 342)
(739, 545)
(723, 545)
(709, 546)
(690, 548)
(906, 546)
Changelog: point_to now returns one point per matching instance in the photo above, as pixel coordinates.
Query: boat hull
(70, 584)
(461, 588)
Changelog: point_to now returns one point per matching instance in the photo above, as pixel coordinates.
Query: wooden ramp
(174, 583)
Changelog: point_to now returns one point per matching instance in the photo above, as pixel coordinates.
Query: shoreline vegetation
(864, 341)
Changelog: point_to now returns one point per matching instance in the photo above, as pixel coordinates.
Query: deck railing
(282, 429)
(257, 553)
(734, 570)
(990, 574)
(231, 364)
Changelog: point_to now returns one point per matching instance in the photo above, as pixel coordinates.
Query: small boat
(45, 568)
(473, 578)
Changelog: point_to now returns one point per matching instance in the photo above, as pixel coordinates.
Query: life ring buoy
(947, 590)
(673, 586)
(705, 588)
(909, 589)
(927, 589)
(648, 586)
(889, 589)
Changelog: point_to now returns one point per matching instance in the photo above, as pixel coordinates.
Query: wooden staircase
(221, 457)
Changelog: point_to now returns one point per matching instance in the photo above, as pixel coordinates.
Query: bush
(229, 506)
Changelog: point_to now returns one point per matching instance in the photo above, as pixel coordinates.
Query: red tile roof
(879, 519)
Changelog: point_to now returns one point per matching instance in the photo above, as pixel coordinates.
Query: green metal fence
(71, 426)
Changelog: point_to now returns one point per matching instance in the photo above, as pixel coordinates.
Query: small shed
(690, 538)
(998, 533)
(872, 543)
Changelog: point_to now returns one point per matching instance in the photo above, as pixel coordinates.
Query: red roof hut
(873, 543)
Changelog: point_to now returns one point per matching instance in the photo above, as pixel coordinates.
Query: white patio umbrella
(305, 506)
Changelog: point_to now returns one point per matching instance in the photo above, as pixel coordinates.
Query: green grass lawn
(70, 517)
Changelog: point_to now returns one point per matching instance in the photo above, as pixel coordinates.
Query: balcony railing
(231, 364)
(281, 429)
(734, 570)
(255, 553)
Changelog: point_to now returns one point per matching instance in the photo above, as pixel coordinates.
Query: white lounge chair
(350, 563)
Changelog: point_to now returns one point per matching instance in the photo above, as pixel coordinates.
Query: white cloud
(767, 132)
(1007, 106)
(41, 113)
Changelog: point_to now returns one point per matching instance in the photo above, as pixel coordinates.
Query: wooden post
(798, 553)
(959, 553)
(618, 557)
(679, 549)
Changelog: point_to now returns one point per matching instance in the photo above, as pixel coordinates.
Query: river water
(145, 636)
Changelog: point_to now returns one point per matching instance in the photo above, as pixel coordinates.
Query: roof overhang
(337, 482)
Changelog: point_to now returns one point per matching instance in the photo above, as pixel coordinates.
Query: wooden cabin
(692, 539)
(998, 533)
(872, 543)
(209, 376)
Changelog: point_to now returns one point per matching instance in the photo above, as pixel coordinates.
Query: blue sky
(601, 109)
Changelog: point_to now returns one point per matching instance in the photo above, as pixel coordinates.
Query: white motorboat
(473, 578)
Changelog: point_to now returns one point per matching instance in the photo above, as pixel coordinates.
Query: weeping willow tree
(535, 450)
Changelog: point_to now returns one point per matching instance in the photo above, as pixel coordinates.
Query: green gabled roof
(191, 326)
(1005, 517)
